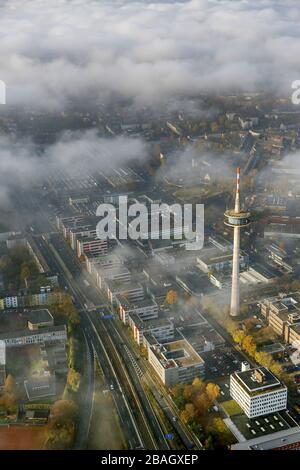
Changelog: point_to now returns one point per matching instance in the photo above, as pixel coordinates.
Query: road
(85, 415)
(95, 344)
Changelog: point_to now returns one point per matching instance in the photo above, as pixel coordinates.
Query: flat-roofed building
(44, 335)
(147, 308)
(118, 274)
(81, 232)
(215, 259)
(283, 314)
(41, 318)
(280, 257)
(293, 334)
(101, 261)
(258, 392)
(2, 353)
(65, 224)
(281, 304)
(133, 291)
(93, 245)
(38, 388)
(288, 439)
(202, 337)
(175, 362)
(161, 328)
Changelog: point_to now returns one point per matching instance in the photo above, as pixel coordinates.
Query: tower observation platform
(237, 219)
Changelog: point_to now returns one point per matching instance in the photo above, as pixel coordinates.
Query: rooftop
(24, 333)
(40, 316)
(150, 324)
(177, 354)
(40, 387)
(259, 380)
(279, 439)
(127, 304)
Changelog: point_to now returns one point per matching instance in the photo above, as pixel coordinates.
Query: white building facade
(258, 392)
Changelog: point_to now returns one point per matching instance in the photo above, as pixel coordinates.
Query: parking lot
(220, 363)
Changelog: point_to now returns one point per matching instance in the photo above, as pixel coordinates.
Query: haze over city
(149, 341)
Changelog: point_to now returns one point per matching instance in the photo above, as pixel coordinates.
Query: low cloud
(55, 51)
(76, 153)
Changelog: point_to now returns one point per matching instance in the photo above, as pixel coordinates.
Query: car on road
(112, 387)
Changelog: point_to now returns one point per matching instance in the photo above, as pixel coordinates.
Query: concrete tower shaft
(237, 219)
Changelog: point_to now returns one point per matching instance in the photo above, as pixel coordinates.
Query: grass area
(22, 437)
(105, 431)
(232, 408)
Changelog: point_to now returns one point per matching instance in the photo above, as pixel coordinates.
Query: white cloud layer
(52, 51)
(76, 153)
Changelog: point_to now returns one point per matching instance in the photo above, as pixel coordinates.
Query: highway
(125, 411)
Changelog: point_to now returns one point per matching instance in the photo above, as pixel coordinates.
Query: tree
(202, 404)
(63, 412)
(212, 391)
(197, 383)
(60, 438)
(218, 429)
(73, 380)
(25, 272)
(67, 307)
(188, 392)
(188, 414)
(238, 336)
(178, 397)
(171, 297)
(9, 385)
(8, 398)
(249, 345)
